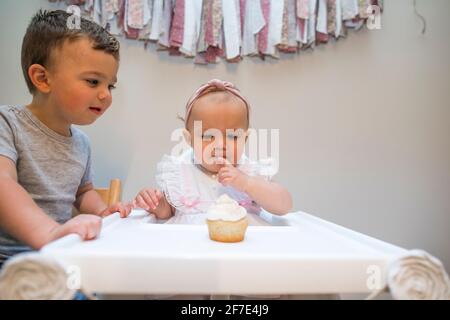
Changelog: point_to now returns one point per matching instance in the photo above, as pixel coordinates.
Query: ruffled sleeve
(165, 170)
(175, 177)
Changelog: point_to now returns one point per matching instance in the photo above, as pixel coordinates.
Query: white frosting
(226, 209)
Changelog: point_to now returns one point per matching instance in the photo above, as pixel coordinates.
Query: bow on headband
(211, 86)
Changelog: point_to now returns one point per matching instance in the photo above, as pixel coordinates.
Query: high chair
(112, 194)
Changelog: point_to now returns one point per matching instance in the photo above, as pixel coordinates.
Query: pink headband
(211, 86)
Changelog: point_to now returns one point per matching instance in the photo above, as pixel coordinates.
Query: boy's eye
(92, 82)
(111, 87)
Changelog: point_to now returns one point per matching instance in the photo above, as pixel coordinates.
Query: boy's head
(224, 117)
(75, 69)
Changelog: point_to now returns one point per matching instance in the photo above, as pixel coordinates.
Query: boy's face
(80, 80)
(223, 130)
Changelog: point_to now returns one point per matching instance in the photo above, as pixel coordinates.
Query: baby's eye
(207, 137)
(111, 87)
(92, 82)
(232, 137)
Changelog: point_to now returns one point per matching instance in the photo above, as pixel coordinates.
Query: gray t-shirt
(50, 167)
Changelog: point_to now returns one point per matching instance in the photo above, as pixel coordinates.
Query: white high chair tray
(296, 254)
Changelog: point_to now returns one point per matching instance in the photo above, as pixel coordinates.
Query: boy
(45, 162)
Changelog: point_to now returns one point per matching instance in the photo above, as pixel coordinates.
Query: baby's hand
(149, 199)
(124, 209)
(232, 176)
(87, 226)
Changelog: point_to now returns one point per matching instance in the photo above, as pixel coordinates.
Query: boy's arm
(21, 217)
(89, 201)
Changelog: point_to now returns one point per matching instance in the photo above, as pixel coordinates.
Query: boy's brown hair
(49, 30)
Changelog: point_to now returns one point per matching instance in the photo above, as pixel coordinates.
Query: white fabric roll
(418, 276)
(32, 276)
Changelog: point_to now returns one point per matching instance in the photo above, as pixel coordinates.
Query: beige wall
(364, 122)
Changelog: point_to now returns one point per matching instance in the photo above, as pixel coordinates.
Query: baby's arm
(269, 195)
(154, 202)
(24, 220)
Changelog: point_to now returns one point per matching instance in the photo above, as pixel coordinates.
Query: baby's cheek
(208, 150)
(200, 153)
(234, 153)
(205, 152)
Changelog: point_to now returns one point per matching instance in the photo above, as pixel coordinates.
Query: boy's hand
(231, 176)
(124, 209)
(148, 199)
(87, 226)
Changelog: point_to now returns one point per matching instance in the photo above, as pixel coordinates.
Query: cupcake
(227, 220)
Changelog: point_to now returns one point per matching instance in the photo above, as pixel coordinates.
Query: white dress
(191, 190)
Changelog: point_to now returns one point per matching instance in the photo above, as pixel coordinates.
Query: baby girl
(217, 123)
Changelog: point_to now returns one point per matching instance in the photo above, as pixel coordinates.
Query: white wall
(364, 122)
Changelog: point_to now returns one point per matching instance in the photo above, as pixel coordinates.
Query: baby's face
(81, 80)
(223, 129)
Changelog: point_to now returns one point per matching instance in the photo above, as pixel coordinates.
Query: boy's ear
(39, 78)
(187, 136)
